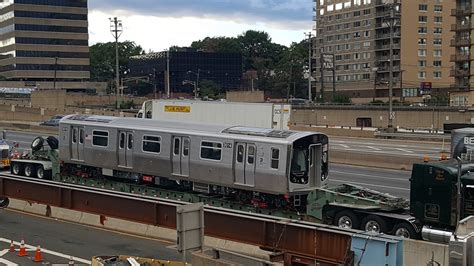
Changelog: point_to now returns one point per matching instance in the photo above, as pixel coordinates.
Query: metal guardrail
(437, 137)
(317, 242)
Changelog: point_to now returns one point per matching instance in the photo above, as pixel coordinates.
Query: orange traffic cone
(22, 252)
(12, 247)
(38, 256)
(71, 261)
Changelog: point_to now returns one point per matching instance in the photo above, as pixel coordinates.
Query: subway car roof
(206, 129)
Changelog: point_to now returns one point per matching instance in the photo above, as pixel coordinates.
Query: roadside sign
(392, 115)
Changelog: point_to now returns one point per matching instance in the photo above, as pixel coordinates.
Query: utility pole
(116, 29)
(310, 72)
(168, 92)
(154, 83)
(392, 20)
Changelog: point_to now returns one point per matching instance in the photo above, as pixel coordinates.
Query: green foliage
(342, 98)
(126, 104)
(218, 45)
(210, 89)
(103, 59)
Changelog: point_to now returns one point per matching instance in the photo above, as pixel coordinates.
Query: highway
(65, 239)
(404, 148)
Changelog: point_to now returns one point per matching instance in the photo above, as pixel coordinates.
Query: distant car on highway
(297, 101)
(54, 121)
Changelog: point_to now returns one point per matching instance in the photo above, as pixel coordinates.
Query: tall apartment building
(44, 43)
(462, 43)
(359, 33)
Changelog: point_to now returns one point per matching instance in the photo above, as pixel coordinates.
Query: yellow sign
(177, 109)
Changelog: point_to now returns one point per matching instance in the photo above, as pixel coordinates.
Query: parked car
(54, 121)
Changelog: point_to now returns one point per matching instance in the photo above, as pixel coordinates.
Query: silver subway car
(239, 161)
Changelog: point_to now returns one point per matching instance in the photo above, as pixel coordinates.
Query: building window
(366, 33)
(438, 19)
(422, 41)
(438, 30)
(275, 158)
(422, 19)
(356, 24)
(211, 150)
(437, 41)
(422, 75)
(356, 56)
(365, 76)
(422, 63)
(366, 11)
(366, 44)
(152, 144)
(438, 8)
(422, 30)
(356, 13)
(437, 53)
(100, 138)
(437, 63)
(423, 7)
(437, 74)
(421, 52)
(357, 34)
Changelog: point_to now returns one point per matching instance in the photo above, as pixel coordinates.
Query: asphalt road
(394, 182)
(403, 148)
(65, 239)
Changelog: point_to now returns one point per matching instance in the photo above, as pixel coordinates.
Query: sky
(159, 24)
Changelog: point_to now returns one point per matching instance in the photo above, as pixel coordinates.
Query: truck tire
(374, 223)
(40, 173)
(52, 142)
(404, 230)
(37, 144)
(16, 168)
(346, 219)
(29, 170)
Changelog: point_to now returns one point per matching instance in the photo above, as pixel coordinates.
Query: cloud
(283, 14)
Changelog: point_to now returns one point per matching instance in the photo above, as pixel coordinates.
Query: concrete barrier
(335, 131)
(423, 253)
(129, 227)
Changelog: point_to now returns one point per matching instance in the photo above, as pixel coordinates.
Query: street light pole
(116, 29)
(310, 47)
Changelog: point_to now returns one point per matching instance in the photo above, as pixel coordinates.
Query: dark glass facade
(225, 69)
(41, 35)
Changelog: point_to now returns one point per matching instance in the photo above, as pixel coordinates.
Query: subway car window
(275, 158)
(100, 138)
(152, 144)
(211, 150)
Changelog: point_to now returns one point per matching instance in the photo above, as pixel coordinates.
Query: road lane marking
(54, 253)
(404, 150)
(343, 145)
(366, 175)
(373, 148)
(366, 184)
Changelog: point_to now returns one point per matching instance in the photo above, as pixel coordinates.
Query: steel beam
(305, 240)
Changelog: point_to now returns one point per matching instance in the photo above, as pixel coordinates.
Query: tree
(210, 89)
(103, 59)
(218, 45)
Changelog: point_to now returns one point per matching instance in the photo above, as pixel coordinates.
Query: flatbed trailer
(346, 206)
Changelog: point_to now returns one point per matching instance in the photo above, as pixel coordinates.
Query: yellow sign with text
(177, 109)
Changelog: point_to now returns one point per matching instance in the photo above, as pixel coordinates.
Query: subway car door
(180, 158)
(125, 149)
(77, 144)
(315, 164)
(244, 164)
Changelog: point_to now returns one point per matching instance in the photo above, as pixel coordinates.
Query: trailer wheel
(374, 223)
(40, 172)
(37, 144)
(346, 219)
(29, 170)
(16, 168)
(404, 230)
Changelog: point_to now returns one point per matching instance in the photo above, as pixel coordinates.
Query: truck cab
(434, 196)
